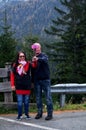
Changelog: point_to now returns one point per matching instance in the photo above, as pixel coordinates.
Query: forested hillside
(28, 17)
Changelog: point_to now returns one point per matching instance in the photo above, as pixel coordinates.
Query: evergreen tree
(26, 46)
(70, 27)
(7, 43)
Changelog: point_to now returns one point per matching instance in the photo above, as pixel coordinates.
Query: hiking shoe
(38, 116)
(27, 117)
(48, 117)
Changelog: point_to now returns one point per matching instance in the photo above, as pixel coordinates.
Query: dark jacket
(22, 82)
(41, 72)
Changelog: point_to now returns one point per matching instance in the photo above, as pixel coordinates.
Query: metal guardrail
(61, 89)
(64, 89)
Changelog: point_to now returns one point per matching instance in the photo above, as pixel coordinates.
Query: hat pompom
(36, 46)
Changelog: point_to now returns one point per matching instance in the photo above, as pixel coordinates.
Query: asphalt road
(61, 121)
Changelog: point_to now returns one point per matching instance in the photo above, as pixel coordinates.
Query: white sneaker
(27, 117)
(19, 118)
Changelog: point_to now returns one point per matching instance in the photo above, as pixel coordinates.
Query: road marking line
(28, 124)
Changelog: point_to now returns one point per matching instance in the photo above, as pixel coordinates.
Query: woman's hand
(13, 88)
(34, 58)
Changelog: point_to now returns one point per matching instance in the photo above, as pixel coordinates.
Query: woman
(21, 82)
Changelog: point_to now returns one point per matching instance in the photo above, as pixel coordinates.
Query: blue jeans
(43, 85)
(23, 99)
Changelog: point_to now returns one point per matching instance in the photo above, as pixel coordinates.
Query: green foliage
(7, 49)
(69, 54)
(26, 46)
(7, 44)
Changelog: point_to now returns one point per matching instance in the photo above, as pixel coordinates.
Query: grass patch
(33, 109)
(7, 111)
(70, 107)
(74, 107)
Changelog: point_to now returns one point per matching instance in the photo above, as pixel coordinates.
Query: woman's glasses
(22, 56)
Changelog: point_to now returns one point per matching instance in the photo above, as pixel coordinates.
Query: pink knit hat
(36, 46)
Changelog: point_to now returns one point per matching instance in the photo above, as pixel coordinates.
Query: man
(42, 82)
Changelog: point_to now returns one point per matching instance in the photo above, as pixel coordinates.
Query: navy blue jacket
(42, 72)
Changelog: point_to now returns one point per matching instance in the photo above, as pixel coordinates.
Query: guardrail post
(62, 100)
